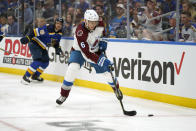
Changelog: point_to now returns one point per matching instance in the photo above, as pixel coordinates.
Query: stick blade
(130, 113)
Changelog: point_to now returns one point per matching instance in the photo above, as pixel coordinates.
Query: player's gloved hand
(24, 40)
(58, 51)
(1, 37)
(54, 43)
(102, 45)
(104, 62)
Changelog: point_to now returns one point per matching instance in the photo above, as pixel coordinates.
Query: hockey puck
(150, 115)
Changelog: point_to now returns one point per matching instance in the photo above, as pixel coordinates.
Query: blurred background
(156, 20)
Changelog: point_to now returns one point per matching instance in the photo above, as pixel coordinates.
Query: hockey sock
(32, 68)
(65, 88)
(41, 68)
(112, 84)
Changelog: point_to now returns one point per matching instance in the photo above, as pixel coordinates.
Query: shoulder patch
(42, 32)
(79, 33)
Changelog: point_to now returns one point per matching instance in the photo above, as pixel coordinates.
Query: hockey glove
(58, 51)
(102, 46)
(104, 62)
(1, 37)
(54, 43)
(24, 40)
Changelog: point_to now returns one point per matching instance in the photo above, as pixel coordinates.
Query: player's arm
(56, 44)
(33, 33)
(1, 37)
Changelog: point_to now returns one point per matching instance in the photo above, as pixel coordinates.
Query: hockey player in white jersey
(87, 47)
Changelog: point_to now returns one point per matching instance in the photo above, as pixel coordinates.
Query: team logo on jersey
(186, 36)
(80, 33)
(42, 32)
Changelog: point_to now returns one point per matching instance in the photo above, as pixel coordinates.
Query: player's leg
(30, 71)
(44, 64)
(69, 78)
(76, 61)
(109, 80)
(36, 53)
(39, 71)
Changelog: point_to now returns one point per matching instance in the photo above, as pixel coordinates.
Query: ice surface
(33, 108)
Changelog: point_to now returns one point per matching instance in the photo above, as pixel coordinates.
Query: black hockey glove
(58, 51)
(54, 43)
(24, 40)
(1, 37)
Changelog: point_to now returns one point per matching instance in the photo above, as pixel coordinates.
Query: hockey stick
(5, 51)
(119, 93)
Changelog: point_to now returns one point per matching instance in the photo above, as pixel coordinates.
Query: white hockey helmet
(91, 15)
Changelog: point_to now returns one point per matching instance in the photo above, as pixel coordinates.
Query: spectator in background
(68, 25)
(3, 6)
(56, 15)
(12, 5)
(188, 33)
(28, 18)
(28, 14)
(172, 22)
(152, 28)
(39, 9)
(117, 21)
(83, 5)
(187, 7)
(168, 6)
(71, 10)
(63, 10)
(4, 25)
(13, 26)
(78, 17)
(102, 17)
(137, 4)
(49, 11)
(100, 12)
(135, 14)
(70, 3)
(41, 22)
(104, 4)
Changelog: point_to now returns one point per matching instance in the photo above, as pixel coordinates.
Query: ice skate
(37, 78)
(60, 100)
(25, 80)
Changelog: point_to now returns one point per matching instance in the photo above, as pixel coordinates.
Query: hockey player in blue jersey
(38, 41)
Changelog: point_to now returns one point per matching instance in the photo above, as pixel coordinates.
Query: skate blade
(24, 82)
(36, 81)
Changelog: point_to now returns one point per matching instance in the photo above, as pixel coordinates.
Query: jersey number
(82, 44)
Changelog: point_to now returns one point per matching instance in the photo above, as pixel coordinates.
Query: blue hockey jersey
(43, 36)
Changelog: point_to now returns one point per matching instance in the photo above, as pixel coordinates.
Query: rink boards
(161, 71)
